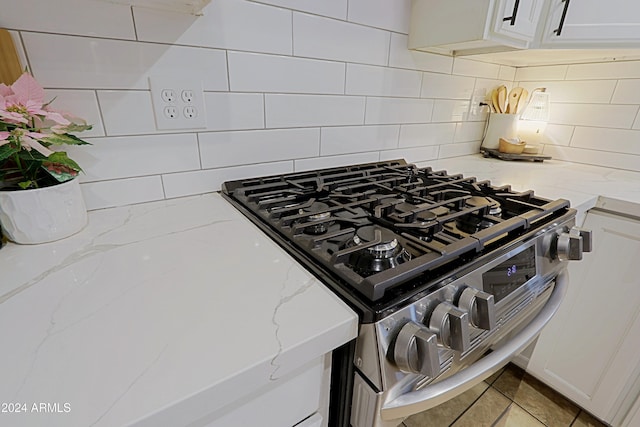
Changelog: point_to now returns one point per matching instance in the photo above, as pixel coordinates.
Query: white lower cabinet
(300, 400)
(589, 351)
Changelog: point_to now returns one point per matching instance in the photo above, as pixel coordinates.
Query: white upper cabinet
(473, 26)
(591, 24)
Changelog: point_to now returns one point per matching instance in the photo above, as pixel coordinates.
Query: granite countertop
(168, 310)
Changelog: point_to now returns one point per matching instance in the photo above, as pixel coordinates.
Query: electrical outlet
(477, 111)
(178, 102)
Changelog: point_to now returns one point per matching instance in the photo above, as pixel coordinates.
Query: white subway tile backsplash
(332, 8)
(411, 155)
(222, 149)
(334, 161)
(313, 110)
(507, 73)
(250, 72)
(318, 37)
(558, 134)
(79, 62)
(471, 68)
(469, 131)
(580, 92)
(120, 192)
(401, 57)
(354, 139)
(593, 157)
(613, 140)
(604, 70)
(22, 55)
(398, 110)
(600, 115)
(627, 92)
(225, 24)
(206, 181)
(459, 149)
(446, 86)
(426, 134)
(388, 14)
(546, 72)
(229, 111)
(81, 17)
(382, 81)
(450, 110)
(133, 156)
(78, 103)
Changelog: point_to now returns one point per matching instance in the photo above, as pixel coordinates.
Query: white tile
(401, 57)
(332, 8)
(428, 134)
(446, 86)
(627, 92)
(382, 81)
(225, 24)
(334, 161)
(79, 62)
(398, 110)
(604, 70)
(612, 140)
(507, 73)
(469, 131)
(593, 157)
(459, 149)
(121, 192)
(558, 134)
(228, 111)
(206, 181)
(80, 17)
(125, 157)
(485, 86)
(220, 149)
(546, 72)
(636, 123)
(388, 14)
(471, 68)
(411, 155)
(250, 72)
(450, 110)
(313, 110)
(354, 139)
(22, 56)
(614, 116)
(318, 37)
(582, 92)
(78, 103)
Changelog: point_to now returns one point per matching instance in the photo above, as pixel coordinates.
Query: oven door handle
(435, 394)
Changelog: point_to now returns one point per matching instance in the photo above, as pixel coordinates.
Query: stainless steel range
(451, 277)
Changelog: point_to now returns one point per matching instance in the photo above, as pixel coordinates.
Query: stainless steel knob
(415, 350)
(451, 325)
(480, 306)
(570, 245)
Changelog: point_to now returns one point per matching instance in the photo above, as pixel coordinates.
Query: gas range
(440, 268)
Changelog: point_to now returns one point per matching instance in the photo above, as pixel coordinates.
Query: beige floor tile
(546, 405)
(443, 415)
(515, 416)
(587, 420)
(485, 411)
(494, 377)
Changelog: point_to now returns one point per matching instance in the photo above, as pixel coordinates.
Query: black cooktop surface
(380, 232)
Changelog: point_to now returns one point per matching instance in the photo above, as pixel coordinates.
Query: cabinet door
(592, 23)
(518, 18)
(588, 352)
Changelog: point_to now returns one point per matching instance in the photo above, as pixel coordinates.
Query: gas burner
(479, 201)
(317, 215)
(471, 224)
(381, 251)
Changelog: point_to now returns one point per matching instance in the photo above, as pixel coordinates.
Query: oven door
(371, 409)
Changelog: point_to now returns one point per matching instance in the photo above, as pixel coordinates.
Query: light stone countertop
(164, 310)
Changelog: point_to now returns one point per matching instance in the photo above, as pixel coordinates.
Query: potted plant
(40, 201)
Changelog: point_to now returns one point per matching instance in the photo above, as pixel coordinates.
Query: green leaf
(60, 158)
(61, 167)
(7, 151)
(61, 139)
(76, 127)
(26, 184)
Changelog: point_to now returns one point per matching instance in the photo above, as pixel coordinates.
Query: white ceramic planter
(44, 214)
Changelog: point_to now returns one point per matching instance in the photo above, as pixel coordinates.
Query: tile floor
(510, 398)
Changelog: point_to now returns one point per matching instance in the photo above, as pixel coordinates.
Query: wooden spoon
(514, 96)
(522, 100)
(502, 98)
(494, 101)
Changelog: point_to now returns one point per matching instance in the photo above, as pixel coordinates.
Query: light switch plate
(178, 102)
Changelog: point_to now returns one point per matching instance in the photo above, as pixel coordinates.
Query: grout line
(133, 19)
(226, 57)
(104, 123)
(26, 54)
(502, 414)
(198, 149)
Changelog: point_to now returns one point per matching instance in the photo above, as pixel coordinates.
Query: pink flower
(4, 138)
(28, 140)
(25, 98)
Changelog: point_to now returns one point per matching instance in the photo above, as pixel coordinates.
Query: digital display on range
(509, 275)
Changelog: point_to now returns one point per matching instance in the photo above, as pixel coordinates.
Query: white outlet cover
(178, 85)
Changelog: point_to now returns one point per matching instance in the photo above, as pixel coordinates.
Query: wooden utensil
(502, 98)
(494, 101)
(10, 68)
(522, 100)
(514, 96)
